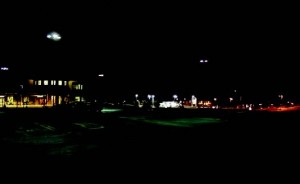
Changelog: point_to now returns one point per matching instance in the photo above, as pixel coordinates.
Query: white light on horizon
(101, 75)
(4, 68)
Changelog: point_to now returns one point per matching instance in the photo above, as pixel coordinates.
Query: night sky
(158, 46)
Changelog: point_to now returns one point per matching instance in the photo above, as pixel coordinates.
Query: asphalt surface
(160, 136)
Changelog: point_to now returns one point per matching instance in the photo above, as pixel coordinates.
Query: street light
(175, 97)
(54, 36)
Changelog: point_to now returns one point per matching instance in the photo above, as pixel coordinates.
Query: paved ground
(173, 135)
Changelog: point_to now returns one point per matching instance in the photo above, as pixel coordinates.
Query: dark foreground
(167, 135)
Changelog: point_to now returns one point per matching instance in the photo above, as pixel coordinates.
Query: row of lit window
(78, 87)
(59, 83)
(52, 82)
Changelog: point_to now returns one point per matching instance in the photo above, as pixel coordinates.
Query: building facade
(43, 91)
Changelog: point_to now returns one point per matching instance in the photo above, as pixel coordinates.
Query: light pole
(152, 96)
(136, 100)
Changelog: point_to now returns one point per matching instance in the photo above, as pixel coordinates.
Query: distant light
(203, 61)
(54, 36)
(136, 95)
(4, 68)
(101, 75)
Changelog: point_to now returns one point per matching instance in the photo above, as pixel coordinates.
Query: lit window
(81, 87)
(39, 82)
(46, 82)
(77, 87)
(77, 98)
(65, 83)
(35, 82)
(53, 82)
(60, 83)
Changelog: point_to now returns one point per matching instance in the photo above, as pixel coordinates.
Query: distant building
(38, 92)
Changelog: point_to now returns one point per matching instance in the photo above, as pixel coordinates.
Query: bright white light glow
(169, 104)
(101, 75)
(54, 36)
(4, 68)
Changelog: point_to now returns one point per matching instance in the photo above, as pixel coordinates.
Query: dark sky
(247, 45)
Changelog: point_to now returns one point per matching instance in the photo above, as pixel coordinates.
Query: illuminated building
(38, 92)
